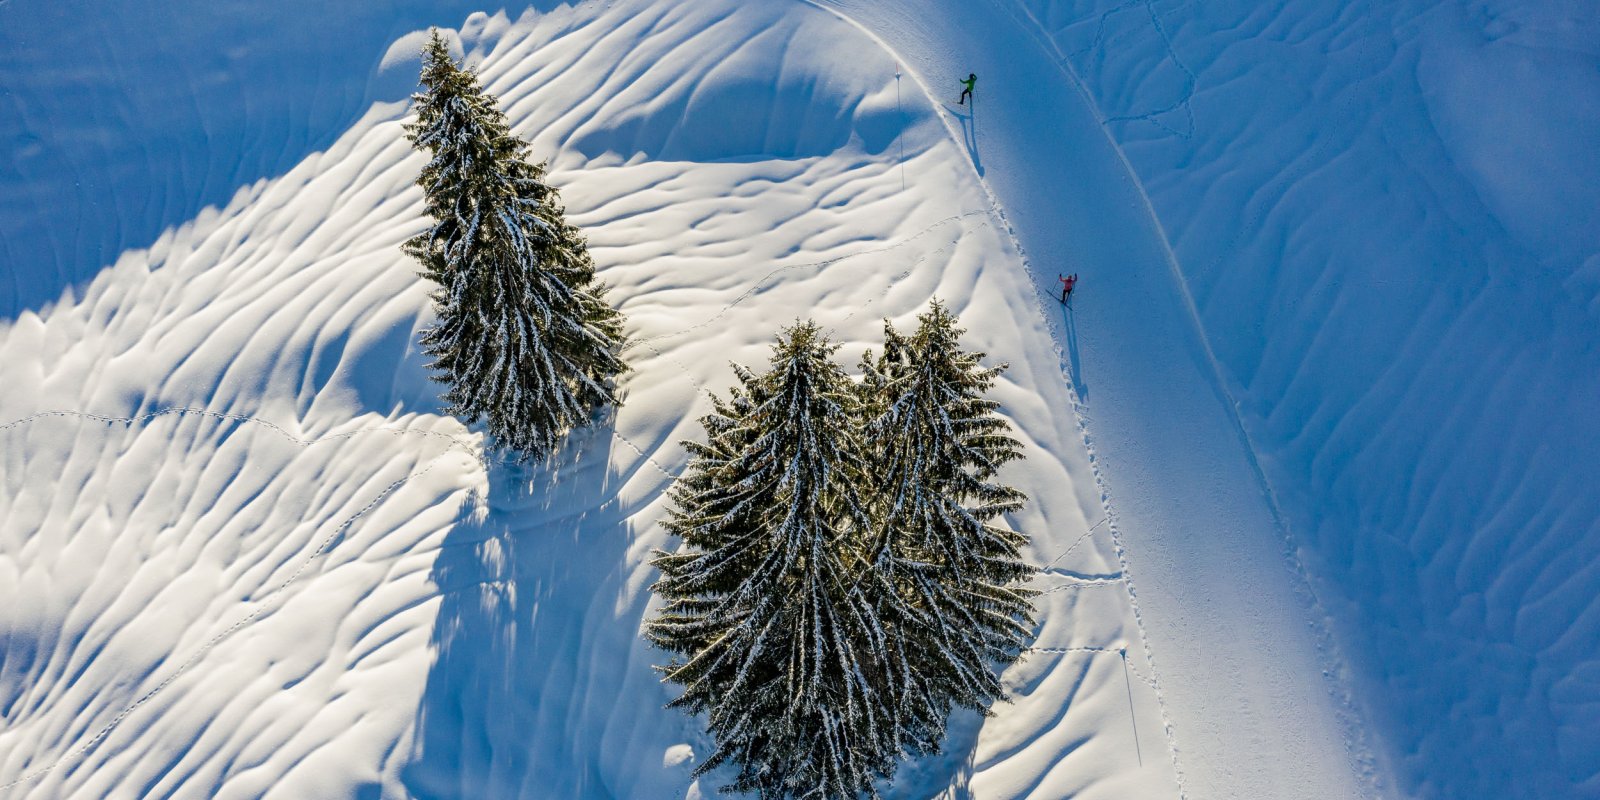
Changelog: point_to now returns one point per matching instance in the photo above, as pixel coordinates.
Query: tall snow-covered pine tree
(523, 338)
(764, 605)
(947, 582)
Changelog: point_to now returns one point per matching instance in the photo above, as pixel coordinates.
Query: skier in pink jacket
(1067, 282)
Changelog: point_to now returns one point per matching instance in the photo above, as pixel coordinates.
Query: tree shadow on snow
(539, 676)
(947, 775)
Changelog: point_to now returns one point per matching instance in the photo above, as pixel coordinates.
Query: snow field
(265, 566)
(1256, 698)
(1385, 213)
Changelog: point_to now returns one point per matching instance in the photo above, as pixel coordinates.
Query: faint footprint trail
(1189, 81)
(1109, 519)
(1040, 296)
(266, 601)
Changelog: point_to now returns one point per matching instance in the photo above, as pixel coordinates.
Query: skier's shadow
(969, 130)
(1069, 323)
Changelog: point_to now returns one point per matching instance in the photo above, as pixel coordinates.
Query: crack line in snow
(266, 601)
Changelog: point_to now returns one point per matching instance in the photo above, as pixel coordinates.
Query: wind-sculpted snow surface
(1389, 217)
(244, 556)
(185, 560)
(120, 120)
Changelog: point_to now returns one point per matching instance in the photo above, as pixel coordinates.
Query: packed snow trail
(1252, 689)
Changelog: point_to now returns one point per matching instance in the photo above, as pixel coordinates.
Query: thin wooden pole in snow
(1131, 716)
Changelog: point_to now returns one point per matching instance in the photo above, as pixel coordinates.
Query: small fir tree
(947, 581)
(779, 644)
(523, 338)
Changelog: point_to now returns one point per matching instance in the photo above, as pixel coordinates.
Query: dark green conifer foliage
(764, 603)
(523, 338)
(947, 581)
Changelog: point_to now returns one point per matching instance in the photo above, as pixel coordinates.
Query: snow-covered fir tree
(523, 338)
(765, 604)
(948, 582)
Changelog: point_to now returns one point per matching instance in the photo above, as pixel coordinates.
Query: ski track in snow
(476, 633)
(1247, 686)
(1390, 236)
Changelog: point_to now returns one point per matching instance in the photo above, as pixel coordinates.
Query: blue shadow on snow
(539, 674)
(121, 120)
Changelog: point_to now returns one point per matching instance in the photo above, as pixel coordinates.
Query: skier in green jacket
(972, 79)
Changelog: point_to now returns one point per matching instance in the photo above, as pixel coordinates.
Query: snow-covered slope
(1255, 697)
(244, 556)
(1388, 215)
(1316, 449)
